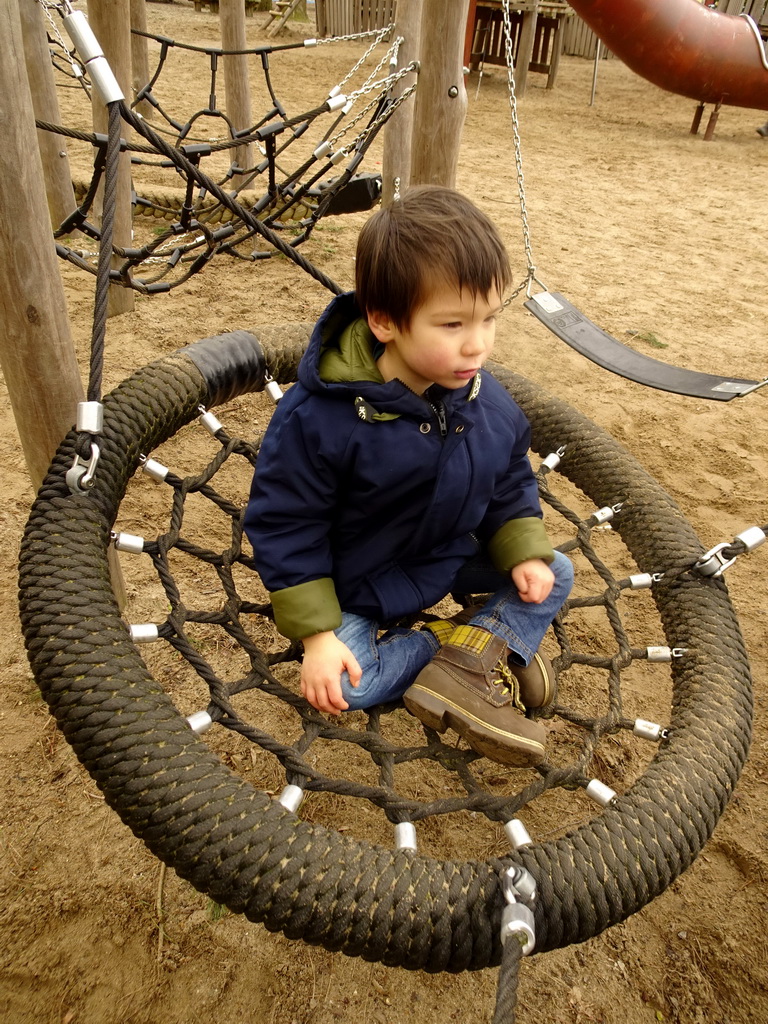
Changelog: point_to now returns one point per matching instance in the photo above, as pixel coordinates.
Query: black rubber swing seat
(571, 326)
(242, 847)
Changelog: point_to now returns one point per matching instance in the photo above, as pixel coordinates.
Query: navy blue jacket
(368, 498)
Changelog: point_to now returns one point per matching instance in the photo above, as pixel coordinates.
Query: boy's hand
(325, 658)
(533, 579)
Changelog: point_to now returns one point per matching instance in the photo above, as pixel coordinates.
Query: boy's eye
(453, 323)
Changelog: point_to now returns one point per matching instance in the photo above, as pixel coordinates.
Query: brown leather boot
(475, 693)
(537, 682)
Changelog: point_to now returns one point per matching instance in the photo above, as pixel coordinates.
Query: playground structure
(711, 56)
(673, 857)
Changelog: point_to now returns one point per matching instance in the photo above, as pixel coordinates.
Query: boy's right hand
(325, 659)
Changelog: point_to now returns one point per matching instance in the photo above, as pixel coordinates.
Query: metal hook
(80, 475)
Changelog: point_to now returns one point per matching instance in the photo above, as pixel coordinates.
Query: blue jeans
(391, 662)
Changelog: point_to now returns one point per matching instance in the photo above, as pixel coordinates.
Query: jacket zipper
(437, 407)
(439, 410)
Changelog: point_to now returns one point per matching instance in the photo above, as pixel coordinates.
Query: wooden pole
(321, 23)
(232, 20)
(525, 49)
(140, 57)
(36, 350)
(110, 23)
(53, 148)
(398, 133)
(441, 99)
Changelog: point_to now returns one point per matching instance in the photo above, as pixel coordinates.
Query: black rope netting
(135, 731)
(232, 210)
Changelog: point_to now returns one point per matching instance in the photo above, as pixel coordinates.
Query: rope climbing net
(224, 809)
(204, 182)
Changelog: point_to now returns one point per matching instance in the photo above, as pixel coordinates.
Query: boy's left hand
(534, 580)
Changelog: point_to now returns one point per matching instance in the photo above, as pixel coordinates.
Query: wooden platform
(537, 37)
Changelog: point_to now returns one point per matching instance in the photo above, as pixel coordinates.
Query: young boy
(395, 472)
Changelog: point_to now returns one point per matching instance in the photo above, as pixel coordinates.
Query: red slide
(684, 47)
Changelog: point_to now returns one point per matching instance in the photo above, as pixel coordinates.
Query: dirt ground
(660, 238)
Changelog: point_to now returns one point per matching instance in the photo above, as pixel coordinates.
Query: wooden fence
(580, 41)
(345, 17)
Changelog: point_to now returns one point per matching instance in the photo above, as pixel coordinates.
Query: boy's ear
(381, 327)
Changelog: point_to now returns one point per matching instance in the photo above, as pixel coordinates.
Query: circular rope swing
(247, 851)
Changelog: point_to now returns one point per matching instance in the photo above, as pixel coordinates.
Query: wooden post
(140, 57)
(110, 23)
(398, 132)
(441, 99)
(53, 148)
(36, 350)
(525, 49)
(321, 22)
(232, 21)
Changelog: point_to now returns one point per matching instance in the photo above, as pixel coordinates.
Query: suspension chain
(531, 268)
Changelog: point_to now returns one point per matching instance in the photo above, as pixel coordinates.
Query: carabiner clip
(80, 475)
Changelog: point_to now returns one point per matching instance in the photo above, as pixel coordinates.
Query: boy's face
(449, 338)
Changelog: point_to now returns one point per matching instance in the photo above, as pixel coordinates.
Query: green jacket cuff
(518, 540)
(306, 609)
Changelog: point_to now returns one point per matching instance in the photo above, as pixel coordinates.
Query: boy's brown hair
(430, 237)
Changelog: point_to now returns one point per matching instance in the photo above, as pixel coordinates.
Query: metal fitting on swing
(322, 150)
(517, 834)
(90, 417)
(517, 917)
(208, 420)
(405, 836)
(291, 797)
(272, 388)
(716, 560)
(665, 654)
(92, 56)
(649, 730)
(336, 102)
(644, 580)
(552, 461)
(605, 514)
(144, 633)
(130, 542)
(80, 475)
(154, 469)
(600, 793)
(199, 722)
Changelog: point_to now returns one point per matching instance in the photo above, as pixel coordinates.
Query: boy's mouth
(465, 374)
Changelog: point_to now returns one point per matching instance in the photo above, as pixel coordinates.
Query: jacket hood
(340, 362)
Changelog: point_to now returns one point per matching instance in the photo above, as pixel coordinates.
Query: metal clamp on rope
(517, 917)
(81, 473)
(719, 558)
(272, 388)
(605, 515)
(552, 461)
(90, 420)
(92, 56)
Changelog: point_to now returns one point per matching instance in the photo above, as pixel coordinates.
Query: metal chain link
(62, 9)
(378, 34)
(531, 276)
(388, 58)
(374, 126)
(382, 86)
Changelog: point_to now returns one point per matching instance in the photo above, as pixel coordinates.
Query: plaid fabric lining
(472, 638)
(442, 629)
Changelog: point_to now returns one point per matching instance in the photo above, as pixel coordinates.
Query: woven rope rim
(243, 848)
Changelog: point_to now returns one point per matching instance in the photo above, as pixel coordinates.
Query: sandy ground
(656, 235)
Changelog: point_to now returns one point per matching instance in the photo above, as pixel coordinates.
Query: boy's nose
(474, 341)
